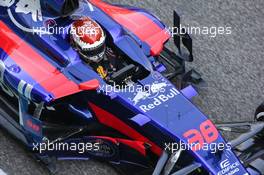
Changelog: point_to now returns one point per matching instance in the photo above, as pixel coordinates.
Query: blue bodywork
(161, 117)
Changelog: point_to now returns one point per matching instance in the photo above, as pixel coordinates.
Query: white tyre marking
(261, 114)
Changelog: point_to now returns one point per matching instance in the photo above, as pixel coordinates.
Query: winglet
(189, 92)
(89, 85)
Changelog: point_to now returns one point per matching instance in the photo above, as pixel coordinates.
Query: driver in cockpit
(89, 39)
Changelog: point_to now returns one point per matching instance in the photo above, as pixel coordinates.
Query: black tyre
(259, 114)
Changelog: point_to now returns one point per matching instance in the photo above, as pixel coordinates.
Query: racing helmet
(88, 38)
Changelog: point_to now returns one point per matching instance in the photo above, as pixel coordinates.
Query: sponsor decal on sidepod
(157, 95)
(228, 168)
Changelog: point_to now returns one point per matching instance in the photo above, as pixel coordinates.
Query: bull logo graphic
(6, 3)
(141, 95)
(30, 6)
(152, 92)
(25, 6)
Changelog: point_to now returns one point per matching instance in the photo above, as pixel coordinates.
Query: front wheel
(259, 114)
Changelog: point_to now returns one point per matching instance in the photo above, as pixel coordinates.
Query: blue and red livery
(49, 95)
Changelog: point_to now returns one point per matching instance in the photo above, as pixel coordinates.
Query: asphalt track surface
(232, 65)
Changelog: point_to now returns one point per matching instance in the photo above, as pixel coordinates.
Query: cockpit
(90, 40)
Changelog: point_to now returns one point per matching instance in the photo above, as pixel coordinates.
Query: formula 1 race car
(91, 80)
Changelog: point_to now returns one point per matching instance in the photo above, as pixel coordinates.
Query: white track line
(2, 172)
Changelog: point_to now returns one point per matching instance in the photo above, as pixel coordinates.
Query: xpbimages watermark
(81, 148)
(212, 147)
(33, 9)
(211, 31)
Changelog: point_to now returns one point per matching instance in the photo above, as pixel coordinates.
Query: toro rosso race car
(94, 75)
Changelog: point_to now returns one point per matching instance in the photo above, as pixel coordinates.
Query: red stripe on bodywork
(114, 122)
(139, 24)
(35, 65)
(137, 145)
(90, 85)
(134, 144)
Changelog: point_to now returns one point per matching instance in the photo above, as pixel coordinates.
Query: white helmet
(89, 38)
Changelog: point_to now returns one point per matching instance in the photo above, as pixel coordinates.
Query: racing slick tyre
(259, 114)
